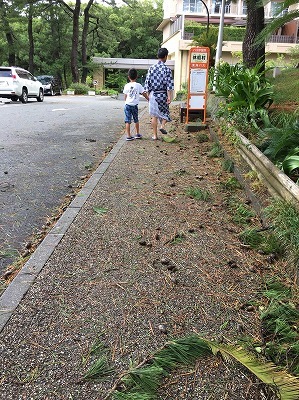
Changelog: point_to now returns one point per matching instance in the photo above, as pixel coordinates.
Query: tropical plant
(281, 141)
(207, 39)
(247, 89)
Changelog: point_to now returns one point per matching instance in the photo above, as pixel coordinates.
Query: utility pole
(219, 43)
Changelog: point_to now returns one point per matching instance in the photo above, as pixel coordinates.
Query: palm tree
(252, 52)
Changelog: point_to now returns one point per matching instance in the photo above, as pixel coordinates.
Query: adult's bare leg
(155, 127)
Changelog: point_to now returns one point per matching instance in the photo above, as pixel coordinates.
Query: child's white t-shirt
(133, 90)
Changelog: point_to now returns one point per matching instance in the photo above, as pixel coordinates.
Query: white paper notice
(198, 79)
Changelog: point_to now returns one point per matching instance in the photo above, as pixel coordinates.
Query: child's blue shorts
(131, 111)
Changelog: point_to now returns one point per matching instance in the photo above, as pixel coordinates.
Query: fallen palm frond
(142, 383)
(99, 368)
(286, 385)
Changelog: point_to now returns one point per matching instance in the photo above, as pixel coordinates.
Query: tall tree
(4, 18)
(84, 40)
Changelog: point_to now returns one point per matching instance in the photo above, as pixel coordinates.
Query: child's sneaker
(129, 138)
(138, 136)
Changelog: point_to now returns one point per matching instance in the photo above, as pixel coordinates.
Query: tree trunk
(30, 38)
(75, 42)
(252, 54)
(84, 41)
(11, 56)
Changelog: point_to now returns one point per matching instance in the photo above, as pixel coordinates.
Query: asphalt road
(45, 150)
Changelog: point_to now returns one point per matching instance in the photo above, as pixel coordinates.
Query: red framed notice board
(198, 80)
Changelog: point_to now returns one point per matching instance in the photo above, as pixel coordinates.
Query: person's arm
(145, 95)
(169, 96)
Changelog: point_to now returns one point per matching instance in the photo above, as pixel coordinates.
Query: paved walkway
(132, 262)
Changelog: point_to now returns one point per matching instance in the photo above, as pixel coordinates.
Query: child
(132, 90)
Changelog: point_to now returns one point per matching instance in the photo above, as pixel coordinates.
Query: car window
(21, 74)
(5, 73)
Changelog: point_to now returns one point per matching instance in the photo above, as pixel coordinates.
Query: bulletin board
(198, 80)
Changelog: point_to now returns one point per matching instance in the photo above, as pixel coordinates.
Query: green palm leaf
(290, 163)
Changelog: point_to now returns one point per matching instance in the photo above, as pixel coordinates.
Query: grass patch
(280, 320)
(241, 213)
(286, 86)
(198, 193)
(231, 184)
(202, 137)
(178, 238)
(285, 220)
(263, 241)
(228, 165)
(216, 151)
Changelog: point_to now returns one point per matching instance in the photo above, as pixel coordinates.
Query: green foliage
(216, 150)
(198, 193)
(79, 88)
(100, 367)
(231, 184)
(228, 165)
(113, 32)
(116, 80)
(252, 238)
(281, 140)
(241, 213)
(100, 210)
(207, 39)
(246, 89)
(230, 33)
(279, 320)
(202, 137)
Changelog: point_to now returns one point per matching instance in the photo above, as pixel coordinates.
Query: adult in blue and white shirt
(159, 85)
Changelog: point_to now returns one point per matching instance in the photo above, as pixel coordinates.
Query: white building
(178, 42)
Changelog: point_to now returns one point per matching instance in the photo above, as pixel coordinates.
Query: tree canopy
(57, 37)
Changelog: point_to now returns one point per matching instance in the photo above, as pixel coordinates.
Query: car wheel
(24, 96)
(40, 97)
(14, 98)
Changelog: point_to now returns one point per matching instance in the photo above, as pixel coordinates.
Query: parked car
(51, 84)
(18, 84)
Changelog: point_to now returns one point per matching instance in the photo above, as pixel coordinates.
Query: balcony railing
(282, 39)
(272, 39)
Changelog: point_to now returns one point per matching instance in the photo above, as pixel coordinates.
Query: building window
(275, 8)
(193, 6)
(244, 8)
(216, 6)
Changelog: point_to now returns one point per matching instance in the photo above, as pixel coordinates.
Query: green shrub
(79, 88)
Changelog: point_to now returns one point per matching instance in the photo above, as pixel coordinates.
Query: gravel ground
(155, 257)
